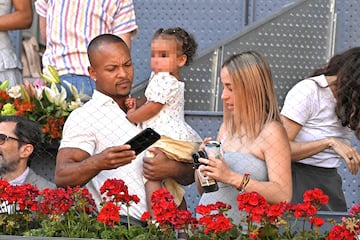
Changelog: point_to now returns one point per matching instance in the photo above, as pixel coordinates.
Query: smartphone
(143, 140)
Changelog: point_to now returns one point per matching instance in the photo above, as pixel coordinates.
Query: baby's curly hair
(185, 39)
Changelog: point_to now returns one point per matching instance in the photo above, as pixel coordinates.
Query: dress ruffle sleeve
(162, 88)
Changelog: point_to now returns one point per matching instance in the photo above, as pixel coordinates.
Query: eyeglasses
(4, 138)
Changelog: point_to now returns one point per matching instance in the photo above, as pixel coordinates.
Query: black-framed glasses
(4, 138)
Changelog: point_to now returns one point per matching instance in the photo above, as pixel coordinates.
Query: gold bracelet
(244, 183)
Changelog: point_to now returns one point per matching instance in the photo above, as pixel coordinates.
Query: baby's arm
(133, 103)
(145, 112)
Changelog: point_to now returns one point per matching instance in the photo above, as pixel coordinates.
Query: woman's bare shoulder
(273, 131)
(273, 126)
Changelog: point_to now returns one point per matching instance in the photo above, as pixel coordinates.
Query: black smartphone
(143, 140)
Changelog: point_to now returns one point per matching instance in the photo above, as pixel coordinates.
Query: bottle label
(213, 149)
(205, 180)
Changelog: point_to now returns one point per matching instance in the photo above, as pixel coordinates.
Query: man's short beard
(122, 95)
(6, 168)
(3, 170)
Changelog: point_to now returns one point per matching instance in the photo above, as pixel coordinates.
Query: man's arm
(125, 21)
(76, 167)
(42, 26)
(127, 37)
(160, 167)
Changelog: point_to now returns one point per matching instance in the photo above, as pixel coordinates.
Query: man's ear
(92, 73)
(26, 150)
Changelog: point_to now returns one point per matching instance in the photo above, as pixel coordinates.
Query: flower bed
(72, 213)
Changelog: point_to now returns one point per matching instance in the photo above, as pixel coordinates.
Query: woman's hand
(202, 145)
(348, 153)
(216, 169)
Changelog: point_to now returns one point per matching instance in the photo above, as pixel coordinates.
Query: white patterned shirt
(100, 124)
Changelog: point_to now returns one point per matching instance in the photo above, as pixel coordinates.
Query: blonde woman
(254, 141)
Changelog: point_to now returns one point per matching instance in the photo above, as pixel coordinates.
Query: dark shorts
(133, 221)
(305, 177)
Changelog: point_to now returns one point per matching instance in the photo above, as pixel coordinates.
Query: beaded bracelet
(244, 183)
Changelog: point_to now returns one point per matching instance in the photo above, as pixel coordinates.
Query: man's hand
(114, 157)
(160, 167)
(76, 167)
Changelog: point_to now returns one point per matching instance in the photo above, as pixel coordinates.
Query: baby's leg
(150, 187)
(183, 205)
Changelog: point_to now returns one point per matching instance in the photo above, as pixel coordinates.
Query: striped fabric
(71, 24)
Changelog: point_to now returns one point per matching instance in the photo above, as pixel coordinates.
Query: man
(19, 139)
(68, 26)
(92, 149)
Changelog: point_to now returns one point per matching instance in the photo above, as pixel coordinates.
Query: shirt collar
(100, 99)
(21, 179)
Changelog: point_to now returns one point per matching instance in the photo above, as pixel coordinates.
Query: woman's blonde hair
(255, 101)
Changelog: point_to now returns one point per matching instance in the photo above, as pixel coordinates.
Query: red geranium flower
(115, 190)
(109, 214)
(315, 197)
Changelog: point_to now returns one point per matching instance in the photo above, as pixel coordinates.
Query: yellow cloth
(179, 151)
(176, 149)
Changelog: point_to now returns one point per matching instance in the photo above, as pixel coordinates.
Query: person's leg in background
(84, 84)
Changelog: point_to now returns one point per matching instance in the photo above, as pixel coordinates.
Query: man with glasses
(19, 140)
